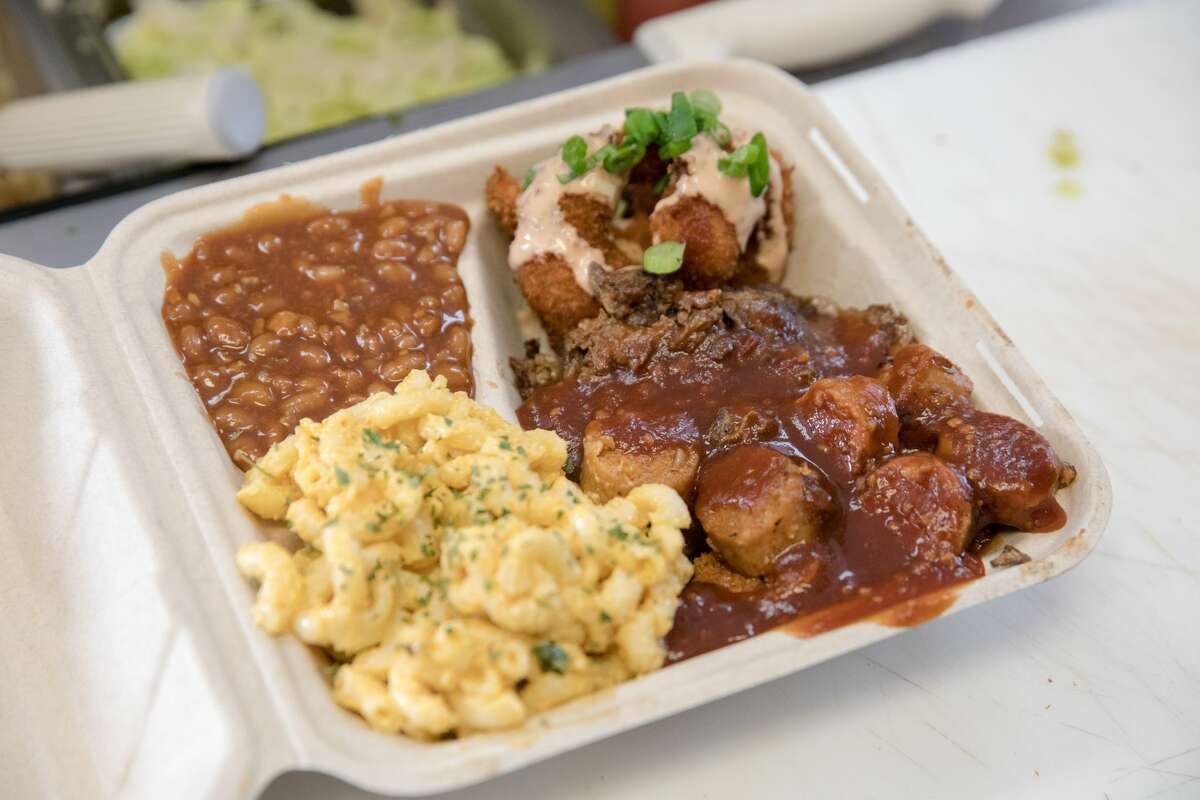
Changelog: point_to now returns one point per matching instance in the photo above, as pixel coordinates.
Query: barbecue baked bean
(224, 332)
(300, 313)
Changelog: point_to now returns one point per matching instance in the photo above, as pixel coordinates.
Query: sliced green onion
(705, 101)
(681, 122)
(574, 151)
(674, 149)
(737, 164)
(663, 258)
(574, 155)
(640, 125)
(623, 157)
(661, 183)
(530, 174)
(760, 167)
(663, 121)
(722, 134)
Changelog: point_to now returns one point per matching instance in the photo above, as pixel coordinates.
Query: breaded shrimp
(710, 257)
(500, 194)
(550, 289)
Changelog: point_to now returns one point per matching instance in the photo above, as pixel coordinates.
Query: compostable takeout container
(132, 667)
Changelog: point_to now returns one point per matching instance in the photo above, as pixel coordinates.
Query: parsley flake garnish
(373, 437)
(551, 657)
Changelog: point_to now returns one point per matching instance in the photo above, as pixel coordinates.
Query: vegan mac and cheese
(457, 578)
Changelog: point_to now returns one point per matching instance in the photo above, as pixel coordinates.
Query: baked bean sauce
(856, 569)
(298, 311)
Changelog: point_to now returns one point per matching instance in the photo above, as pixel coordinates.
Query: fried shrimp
(595, 207)
(500, 194)
(710, 257)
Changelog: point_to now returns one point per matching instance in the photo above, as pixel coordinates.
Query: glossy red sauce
(852, 571)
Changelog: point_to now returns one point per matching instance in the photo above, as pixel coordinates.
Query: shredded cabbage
(315, 69)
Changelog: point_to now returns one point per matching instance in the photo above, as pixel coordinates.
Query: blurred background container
(319, 63)
(340, 72)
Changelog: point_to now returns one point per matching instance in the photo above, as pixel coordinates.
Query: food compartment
(852, 244)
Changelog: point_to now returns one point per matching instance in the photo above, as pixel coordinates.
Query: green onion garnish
(674, 149)
(574, 155)
(661, 183)
(530, 174)
(722, 134)
(760, 168)
(705, 101)
(640, 125)
(663, 258)
(672, 132)
(681, 121)
(737, 164)
(753, 159)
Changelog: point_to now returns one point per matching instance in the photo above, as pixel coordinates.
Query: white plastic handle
(211, 117)
(792, 33)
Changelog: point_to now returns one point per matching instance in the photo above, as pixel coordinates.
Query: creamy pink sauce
(542, 229)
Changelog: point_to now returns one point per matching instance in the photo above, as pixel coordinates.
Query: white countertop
(1088, 686)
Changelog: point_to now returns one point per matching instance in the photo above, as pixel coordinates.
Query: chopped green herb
(753, 159)
(705, 101)
(663, 258)
(674, 149)
(551, 657)
(574, 155)
(604, 617)
(449, 422)
(617, 532)
(342, 477)
(737, 164)
(332, 669)
(720, 133)
(661, 183)
(505, 444)
(428, 550)
(622, 157)
(760, 169)
(622, 209)
(372, 437)
(640, 125)
(681, 122)
(530, 174)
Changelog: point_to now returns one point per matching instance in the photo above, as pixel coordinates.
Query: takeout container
(133, 666)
